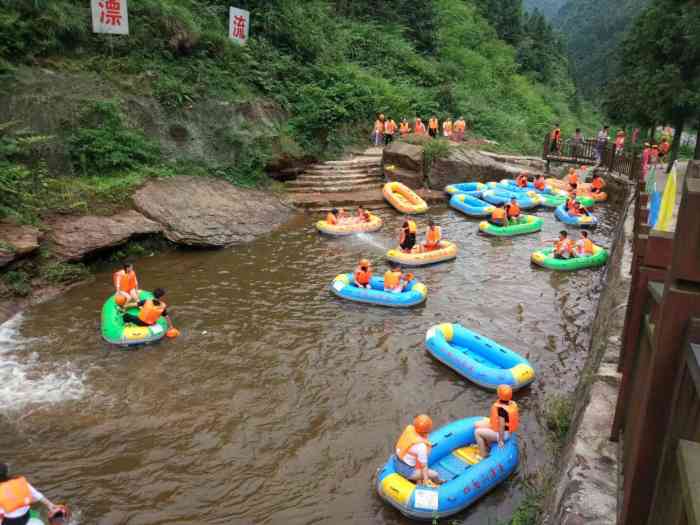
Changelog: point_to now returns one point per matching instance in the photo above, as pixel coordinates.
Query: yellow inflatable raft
(350, 227)
(419, 257)
(404, 198)
(584, 189)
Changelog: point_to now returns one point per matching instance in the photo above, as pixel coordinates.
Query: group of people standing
(385, 129)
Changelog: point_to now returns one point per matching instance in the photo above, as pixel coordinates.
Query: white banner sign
(110, 16)
(238, 25)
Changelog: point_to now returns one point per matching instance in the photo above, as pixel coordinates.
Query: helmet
(423, 424)
(505, 393)
(120, 300)
(364, 262)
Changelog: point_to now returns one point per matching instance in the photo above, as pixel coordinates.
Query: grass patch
(558, 413)
(17, 282)
(64, 273)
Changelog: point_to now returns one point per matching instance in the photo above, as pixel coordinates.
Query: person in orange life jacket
(513, 211)
(447, 128)
(570, 201)
(579, 209)
(407, 235)
(342, 215)
(664, 148)
(412, 451)
(332, 217)
(126, 285)
(555, 139)
(389, 131)
(499, 216)
(419, 128)
(503, 421)
(433, 236)
(378, 133)
(393, 279)
(563, 246)
(572, 179)
(363, 274)
(362, 214)
(150, 311)
(404, 127)
(584, 246)
(16, 498)
(433, 126)
(540, 182)
(597, 184)
(521, 180)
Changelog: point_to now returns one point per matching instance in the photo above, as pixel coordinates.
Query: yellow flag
(668, 203)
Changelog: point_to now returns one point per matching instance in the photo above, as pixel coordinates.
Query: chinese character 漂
(110, 13)
(238, 29)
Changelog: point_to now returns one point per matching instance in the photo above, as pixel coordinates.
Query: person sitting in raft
(412, 451)
(393, 279)
(498, 216)
(342, 215)
(564, 247)
(433, 236)
(540, 183)
(584, 246)
(16, 498)
(521, 181)
(407, 236)
(363, 274)
(597, 184)
(126, 285)
(513, 211)
(570, 201)
(363, 215)
(579, 209)
(503, 421)
(332, 217)
(150, 311)
(572, 179)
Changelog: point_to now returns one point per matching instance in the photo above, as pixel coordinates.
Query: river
(278, 402)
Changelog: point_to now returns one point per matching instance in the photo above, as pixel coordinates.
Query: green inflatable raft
(545, 257)
(115, 331)
(527, 224)
(554, 201)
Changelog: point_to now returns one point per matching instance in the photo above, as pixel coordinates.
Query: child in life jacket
(363, 274)
(501, 423)
(498, 216)
(540, 183)
(393, 279)
(584, 246)
(513, 211)
(433, 236)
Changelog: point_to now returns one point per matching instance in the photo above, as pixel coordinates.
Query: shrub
(64, 273)
(18, 282)
(559, 411)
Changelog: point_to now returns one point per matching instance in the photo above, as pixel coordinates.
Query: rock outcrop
(207, 212)
(74, 238)
(17, 241)
(406, 156)
(412, 179)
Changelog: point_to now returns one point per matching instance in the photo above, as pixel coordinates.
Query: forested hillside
(548, 7)
(178, 96)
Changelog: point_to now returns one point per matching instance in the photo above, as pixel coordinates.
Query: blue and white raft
(526, 200)
(471, 188)
(583, 221)
(343, 286)
(478, 358)
(455, 457)
(471, 206)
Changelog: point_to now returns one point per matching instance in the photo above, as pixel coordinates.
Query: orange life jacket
(570, 204)
(379, 126)
(150, 312)
(585, 246)
(447, 126)
(597, 183)
(434, 235)
(330, 219)
(511, 408)
(405, 128)
(521, 181)
(408, 438)
(433, 123)
(420, 128)
(574, 211)
(573, 178)
(539, 183)
(124, 282)
(392, 279)
(563, 246)
(363, 277)
(498, 213)
(513, 210)
(664, 147)
(15, 494)
(460, 126)
(390, 127)
(556, 134)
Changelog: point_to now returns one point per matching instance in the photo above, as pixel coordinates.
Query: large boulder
(403, 155)
(75, 237)
(17, 241)
(412, 179)
(207, 212)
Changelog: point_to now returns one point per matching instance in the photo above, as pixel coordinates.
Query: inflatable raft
(510, 184)
(529, 224)
(344, 287)
(545, 258)
(404, 198)
(114, 330)
(471, 206)
(455, 457)
(446, 251)
(526, 200)
(558, 198)
(471, 188)
(583, 221)
(583, 189)
(374, 224)
(479, 359)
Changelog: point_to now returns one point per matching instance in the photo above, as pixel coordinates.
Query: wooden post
(680, 302)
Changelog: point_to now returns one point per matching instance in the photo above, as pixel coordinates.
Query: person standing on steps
(379, 130)
(389, 130)
(433, 127)
(405, 128)
(419, 128)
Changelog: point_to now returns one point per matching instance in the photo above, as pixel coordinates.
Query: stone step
(362, 162)
(337, 188)
(329, 170)
(346, 178)
(332, 181)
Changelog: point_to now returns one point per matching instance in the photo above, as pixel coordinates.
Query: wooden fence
(657, 419)
(626, 162)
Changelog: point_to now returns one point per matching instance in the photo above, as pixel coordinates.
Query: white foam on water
(24, 380)
(365, 237)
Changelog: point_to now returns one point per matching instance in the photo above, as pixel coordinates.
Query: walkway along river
(279, 401)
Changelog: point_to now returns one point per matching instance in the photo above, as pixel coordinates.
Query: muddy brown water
(279, 401)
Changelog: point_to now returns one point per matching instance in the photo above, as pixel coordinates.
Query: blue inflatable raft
(478, 358)
(471, 206)
(583, 221)
(465, 187)
(510, 184)
(414, 293)
(526, 200)
(455, 457)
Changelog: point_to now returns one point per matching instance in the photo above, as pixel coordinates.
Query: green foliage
(548, 7)
(64, 273)
(435, 149)
(558, 414)
(18, 282)
(107, 144)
